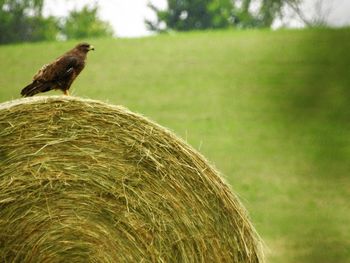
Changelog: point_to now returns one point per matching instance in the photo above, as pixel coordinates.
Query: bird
(60, 74)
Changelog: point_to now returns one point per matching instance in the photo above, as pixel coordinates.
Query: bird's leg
(66, 92)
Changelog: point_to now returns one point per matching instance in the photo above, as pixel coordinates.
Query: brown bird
(61, 73)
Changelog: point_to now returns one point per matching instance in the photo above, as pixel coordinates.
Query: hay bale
(83, 181)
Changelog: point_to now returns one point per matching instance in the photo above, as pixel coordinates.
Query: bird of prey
(61, 73)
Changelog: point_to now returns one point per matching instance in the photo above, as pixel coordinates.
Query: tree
(270, 10)
(319, 18)
(186, 15)
(264, 15)
(85, 24)
(23, 21)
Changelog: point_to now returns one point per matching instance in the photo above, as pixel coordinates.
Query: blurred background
(260, 87)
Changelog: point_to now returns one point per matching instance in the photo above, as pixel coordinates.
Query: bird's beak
(91, 47)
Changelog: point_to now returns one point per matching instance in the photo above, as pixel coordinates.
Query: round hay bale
(84, 181)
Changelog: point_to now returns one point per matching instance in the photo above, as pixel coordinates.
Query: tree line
(23, 21)
(184, 15)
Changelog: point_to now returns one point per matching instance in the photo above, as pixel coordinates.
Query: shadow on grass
(316, 106)
(312, 104)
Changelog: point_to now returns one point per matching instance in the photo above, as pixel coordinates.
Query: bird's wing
(57, 70)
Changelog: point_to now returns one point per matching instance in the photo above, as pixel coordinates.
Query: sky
(127, 16)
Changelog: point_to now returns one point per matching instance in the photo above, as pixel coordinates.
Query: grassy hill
(269, 109)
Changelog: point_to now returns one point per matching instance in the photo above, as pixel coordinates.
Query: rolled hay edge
(85, 181)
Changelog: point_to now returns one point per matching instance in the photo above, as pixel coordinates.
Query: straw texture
(84, 181)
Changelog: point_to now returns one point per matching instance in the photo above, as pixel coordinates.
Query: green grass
(269, 109)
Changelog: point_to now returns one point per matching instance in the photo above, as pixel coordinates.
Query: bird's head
(85, 47)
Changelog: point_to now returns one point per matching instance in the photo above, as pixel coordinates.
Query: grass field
(271, 110)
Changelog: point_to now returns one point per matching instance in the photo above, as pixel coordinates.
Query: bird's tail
(34, 88)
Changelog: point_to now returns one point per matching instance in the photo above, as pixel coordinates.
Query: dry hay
(84, 181)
